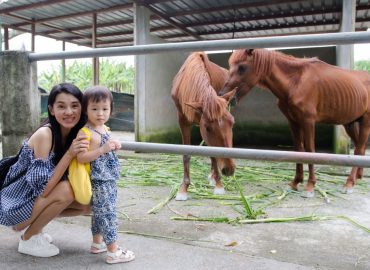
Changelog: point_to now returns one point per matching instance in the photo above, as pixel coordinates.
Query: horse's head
(217, 128)
(242, 73)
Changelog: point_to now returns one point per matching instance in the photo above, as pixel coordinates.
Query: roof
(176, 21)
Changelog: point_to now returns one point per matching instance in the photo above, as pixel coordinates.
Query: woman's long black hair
(59, 148)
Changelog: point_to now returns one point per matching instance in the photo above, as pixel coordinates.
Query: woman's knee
(64, 192)
(86, 209)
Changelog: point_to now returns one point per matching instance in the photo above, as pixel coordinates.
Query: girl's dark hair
(95, 94)
(59, 147)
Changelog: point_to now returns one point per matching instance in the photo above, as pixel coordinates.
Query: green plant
(362, 65)
(116, 76)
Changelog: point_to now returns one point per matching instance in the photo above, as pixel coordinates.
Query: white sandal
(120, 256)
(97, 248)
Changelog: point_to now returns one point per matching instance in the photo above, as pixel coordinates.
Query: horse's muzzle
(228, 171)
(229, 167)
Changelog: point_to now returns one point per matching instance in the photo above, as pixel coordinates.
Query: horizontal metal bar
(251, 154)
(264, 42)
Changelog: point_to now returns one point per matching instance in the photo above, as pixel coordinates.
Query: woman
(40, 192)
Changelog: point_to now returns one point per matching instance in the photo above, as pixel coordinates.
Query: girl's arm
(86, 157)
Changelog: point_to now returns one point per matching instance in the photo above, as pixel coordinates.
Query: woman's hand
(79, 144)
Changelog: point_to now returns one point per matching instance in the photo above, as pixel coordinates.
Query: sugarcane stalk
(159, 206)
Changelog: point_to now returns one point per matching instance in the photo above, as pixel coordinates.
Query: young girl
(104, 172)
(37, 192)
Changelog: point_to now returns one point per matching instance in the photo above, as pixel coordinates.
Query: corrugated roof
(176, 21)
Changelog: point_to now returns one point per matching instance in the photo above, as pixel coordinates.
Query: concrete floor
(162, 243)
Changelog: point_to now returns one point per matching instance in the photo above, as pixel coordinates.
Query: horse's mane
(193, 84)
(264, 59)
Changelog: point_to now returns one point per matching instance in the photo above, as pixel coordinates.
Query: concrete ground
(162, 243)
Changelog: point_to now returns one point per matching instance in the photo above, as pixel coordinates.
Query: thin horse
(194, 92)
(309, 91)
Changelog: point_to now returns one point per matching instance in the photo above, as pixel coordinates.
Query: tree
(362, 65)
(116, 76)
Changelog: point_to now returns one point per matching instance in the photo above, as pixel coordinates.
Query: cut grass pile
(255, 187)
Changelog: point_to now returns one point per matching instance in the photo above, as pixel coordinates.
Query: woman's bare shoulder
(42, 136)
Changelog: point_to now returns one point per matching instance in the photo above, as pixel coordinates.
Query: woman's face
(66, 110)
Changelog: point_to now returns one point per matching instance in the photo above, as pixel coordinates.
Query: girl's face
(98, 112)
(66, 110)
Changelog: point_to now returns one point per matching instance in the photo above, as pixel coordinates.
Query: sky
(44, 45)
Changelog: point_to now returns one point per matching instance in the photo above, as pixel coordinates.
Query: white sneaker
(47, 237)
(37, 246)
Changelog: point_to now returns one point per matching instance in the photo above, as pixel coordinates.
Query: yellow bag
(79, 177)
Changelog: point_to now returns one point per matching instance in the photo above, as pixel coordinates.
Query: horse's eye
(208, 129)
(241, 69)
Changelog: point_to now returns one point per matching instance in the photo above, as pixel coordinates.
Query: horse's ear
(249, 52)
(198, 106)
(229, 95)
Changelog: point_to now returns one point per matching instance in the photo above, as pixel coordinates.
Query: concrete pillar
(19, 99)
(1, 48)
(345, 53)
(345, 58)
(155, 112)
(141, 22)
(1, 38)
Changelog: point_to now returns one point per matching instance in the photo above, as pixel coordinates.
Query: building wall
(155, 112)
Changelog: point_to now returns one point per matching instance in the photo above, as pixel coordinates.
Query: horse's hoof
(308, 194)
(212, 182)
(347, 190)
(219, 191)
(181, 196)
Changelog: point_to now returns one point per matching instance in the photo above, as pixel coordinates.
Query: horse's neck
(281, 78)
(218, 76)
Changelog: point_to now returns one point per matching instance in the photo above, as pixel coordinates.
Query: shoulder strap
(87, 132)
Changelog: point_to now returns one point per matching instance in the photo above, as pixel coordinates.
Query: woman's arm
(58, 172)
(79, 145)
(41, 142)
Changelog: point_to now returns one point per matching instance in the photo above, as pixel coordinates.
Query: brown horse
(309, 91)
(194, 92)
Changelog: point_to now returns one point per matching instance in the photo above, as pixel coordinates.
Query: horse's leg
(185, 126)
(360, 148)
(298, 146)
(215, 177)
(353, 131)
(309, 145)
(297, 138)
(211, 176)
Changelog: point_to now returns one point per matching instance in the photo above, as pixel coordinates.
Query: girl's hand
(79, 144)
(117, 145)
(108, 146)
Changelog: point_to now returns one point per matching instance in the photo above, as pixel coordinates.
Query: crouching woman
(36, 189)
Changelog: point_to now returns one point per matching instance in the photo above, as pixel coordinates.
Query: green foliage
(362, 65)
(116, 76)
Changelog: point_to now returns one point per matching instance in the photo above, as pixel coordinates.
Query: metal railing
(251, 154)
(265, 42)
